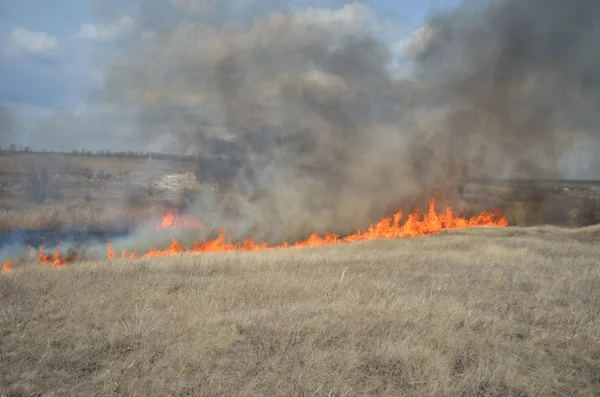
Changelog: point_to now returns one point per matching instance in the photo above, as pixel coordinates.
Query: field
(481, 312)
(84, 191)
(97, 192)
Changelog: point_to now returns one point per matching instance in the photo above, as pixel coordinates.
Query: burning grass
(387, 228)
(8, 265)
(491, 312)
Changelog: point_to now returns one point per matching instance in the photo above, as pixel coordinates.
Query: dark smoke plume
(331, 139)
(502, 89)
(524, 75)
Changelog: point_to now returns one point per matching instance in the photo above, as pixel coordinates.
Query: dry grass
(84, 191)
(512, 312)
(72, 197)
(74, 217)
(22, 162)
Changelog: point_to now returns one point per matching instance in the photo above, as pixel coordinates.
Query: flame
(8, 265)
(110, 254)
(174, 219)
(387, 228)
(56, 259)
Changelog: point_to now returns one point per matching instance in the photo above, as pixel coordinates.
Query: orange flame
(386, 228)
(174, 219)
(8, 265)
(57, 259)
(110, 254)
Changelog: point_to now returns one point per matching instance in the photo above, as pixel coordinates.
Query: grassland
(19, 162)
(92, 192)
(97, 192)
(484, 312)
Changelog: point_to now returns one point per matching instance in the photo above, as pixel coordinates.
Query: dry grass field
(482, 312)
(19, 162)
(91, 192)
(99, 193)
(57, 216)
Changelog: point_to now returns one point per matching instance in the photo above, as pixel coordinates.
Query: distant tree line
(101, 153)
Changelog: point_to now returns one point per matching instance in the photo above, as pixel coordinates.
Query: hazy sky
(56, 55)
(45, 46)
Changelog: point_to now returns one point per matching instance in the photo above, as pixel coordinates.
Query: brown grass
(511, 312)
(75, 197)
(74, 217)
(22, 162)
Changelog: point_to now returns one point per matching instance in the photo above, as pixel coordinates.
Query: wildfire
(387, 228)
(8, 265)
(174, 219)
(57, 258)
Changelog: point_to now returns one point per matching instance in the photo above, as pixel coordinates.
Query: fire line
(387, 228)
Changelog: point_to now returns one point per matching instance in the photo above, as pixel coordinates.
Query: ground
(481, 312)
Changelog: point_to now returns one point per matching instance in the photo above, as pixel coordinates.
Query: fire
(110, 254)
(8, 265)
(387, 228)
(56, 259)
(174, 219)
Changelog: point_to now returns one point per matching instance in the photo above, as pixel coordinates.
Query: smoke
(524, 74)
(293, 90)
(501, 89)
(329, 136)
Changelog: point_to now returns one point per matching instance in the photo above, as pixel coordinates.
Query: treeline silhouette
(18, 149)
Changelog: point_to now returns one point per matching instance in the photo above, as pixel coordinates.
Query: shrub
(39, 188)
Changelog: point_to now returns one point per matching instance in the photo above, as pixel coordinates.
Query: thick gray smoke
(524, 75)
(307, 97)
(330, 136)
(502, 89)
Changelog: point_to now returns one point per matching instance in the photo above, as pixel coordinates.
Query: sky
(53, 55)
(44, 51)
(45, 46)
